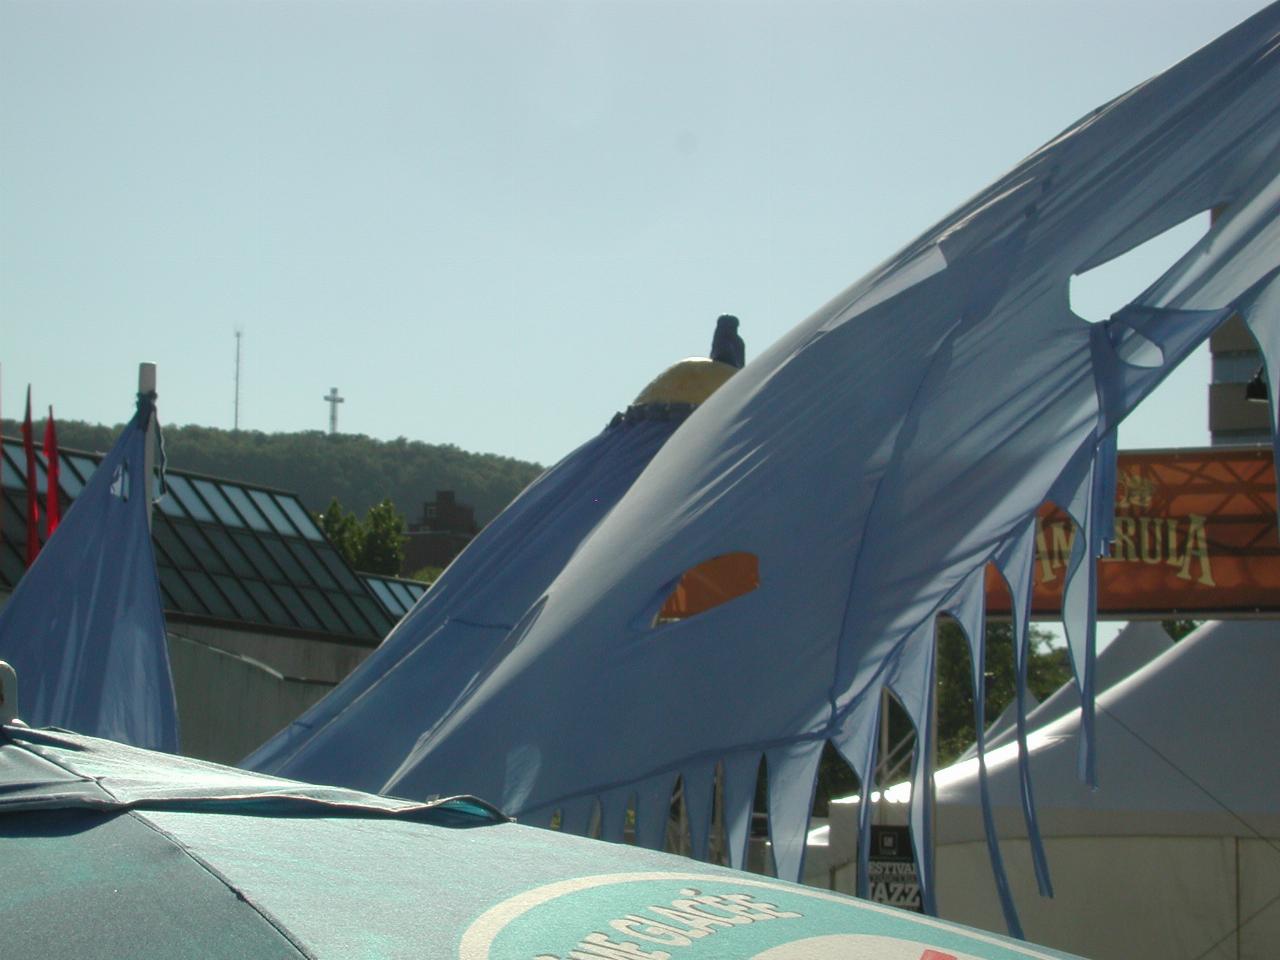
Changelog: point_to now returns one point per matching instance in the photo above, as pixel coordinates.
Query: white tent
(1176, 855)
(1140, 642)
(1005, 726)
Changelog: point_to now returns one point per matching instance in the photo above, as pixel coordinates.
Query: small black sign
(892, 870)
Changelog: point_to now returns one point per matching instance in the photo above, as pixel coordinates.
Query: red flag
(52, 506)
(33, 506)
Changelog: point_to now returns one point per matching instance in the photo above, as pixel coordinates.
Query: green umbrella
(112, 851)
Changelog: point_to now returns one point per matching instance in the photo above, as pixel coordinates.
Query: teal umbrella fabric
(112, 851)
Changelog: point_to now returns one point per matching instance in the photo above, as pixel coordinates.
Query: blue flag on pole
(84, 628)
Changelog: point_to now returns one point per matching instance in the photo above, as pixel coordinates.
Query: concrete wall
(229, 704)
(236, 688)
(326, 661)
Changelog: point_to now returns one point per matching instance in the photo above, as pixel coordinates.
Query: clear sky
(490, 224)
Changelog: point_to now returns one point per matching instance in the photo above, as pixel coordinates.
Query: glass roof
(227, 551)
(398, 596)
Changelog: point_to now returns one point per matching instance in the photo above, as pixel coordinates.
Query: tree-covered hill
(358, 470)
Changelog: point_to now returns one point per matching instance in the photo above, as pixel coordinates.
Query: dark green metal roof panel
(228, 551)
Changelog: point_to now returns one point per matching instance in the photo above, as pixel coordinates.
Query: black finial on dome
(726, 345)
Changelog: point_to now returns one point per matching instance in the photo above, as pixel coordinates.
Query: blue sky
(490, 224)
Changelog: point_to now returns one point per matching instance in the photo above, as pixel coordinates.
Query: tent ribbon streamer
(1015, 560)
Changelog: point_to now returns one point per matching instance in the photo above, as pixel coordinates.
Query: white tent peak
(1186, 743)
(1140, 642)
(1177, 853)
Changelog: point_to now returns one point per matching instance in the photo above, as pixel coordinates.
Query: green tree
(1177, 629)
(1047, 669)
(427, 574)
(374, 545)
(357, 470)
(343, 531)
(381, 540)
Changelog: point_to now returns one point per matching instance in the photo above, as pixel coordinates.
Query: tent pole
(882, 761)
(146, 385)
(9, 694)
(931, 811)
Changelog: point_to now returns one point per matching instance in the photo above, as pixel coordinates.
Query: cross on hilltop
(333, 400)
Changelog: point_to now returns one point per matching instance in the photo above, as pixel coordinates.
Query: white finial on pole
(8, 693)
(147, 386)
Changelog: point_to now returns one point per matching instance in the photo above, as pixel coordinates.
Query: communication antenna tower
(236, 422)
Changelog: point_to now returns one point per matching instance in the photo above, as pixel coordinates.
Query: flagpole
(33, 506)
(147, 386)
(8, 693)
(52, 472)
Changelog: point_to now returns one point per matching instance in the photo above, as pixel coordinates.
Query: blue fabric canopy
(875, 461)
(359, 734)
(84, 627)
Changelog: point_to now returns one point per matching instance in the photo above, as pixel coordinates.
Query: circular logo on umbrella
(697, 916)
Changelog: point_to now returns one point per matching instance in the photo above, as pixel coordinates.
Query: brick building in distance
(445, 528)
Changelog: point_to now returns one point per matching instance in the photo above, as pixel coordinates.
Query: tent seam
(1253, 831)
(858, 556)
(266, 915)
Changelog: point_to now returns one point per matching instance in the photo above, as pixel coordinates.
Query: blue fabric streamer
(913, 684)
(741, 771)
(1015, 562)
(857, 741)
(653, 810)
(698, 783)
(792, 778)
(969, 609)
(613, 814)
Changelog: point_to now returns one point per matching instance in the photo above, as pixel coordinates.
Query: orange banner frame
(1195, 534)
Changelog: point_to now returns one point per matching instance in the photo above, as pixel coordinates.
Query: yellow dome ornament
(688, 381)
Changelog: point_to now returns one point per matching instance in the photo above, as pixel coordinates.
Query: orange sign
(1195, 533)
